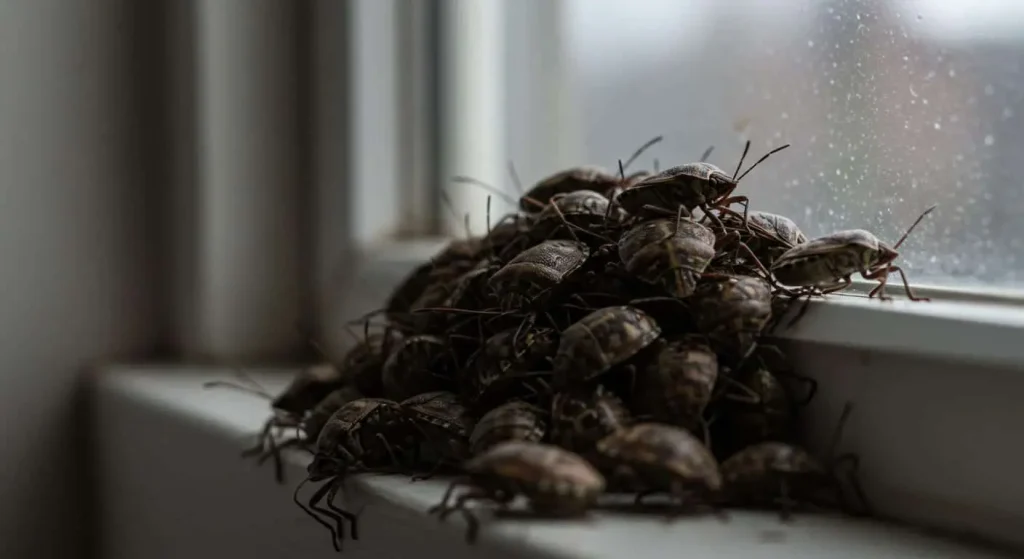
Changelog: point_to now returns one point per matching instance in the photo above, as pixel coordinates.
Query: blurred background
(198, 180)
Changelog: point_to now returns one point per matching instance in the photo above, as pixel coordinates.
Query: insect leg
(351, 518)
(639, 500)
(443, 505)
(906, 284)
(314, 516)
(882, 275)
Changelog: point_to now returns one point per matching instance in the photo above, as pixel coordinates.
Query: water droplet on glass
(989, 90)
(810, 43)
(989, 140)
(952, 73)
(937, 126)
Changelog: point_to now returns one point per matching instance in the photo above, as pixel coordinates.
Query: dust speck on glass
(891, 106)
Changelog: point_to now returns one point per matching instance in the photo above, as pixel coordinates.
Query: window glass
(890, 107)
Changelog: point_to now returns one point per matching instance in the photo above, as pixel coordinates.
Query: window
(890, 107)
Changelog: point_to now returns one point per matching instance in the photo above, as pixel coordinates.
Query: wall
(77, 245)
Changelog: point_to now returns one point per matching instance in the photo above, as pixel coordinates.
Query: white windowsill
(168, 466)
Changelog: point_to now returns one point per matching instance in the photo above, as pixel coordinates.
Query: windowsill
(154, 420)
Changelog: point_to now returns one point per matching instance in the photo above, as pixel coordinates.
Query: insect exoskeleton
(566, 182)
(445, 425)
(509, 365)
(757, 408)
(828, 262)
(315, 420)
(656, 458)
(537, 270)
(514, 421)
(668, 252)
(763, 473)
(732, 313)
(582, 211)
(555, 481)
(601, 340)
(309, 387)
(676, 386)
(692, 185)
(419, 364)
(363, 435)
(579, 178)
(364, 361)
(770, 235)
(774, 473)
(584, 415)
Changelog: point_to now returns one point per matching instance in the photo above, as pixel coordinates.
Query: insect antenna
(561, 216)
(640, 151)
(746, 149)
(759, 161)
(707, 154)
(912, 226)
(515, 177)
(494, 190)
(236, 386)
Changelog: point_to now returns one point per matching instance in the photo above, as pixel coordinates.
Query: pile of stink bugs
(603, 341)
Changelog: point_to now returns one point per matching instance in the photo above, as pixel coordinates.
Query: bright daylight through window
(890, 106)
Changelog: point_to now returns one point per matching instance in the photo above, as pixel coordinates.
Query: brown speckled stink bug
(514, 421)
(419, 364)
(537, 270)
(828, 262)
(602, 340)
(582, 416)
(579, 178)
(656, 458)
(306, 389)
(677, 385)
(671, 253)
(445, 426)
(733, 312)
(555, 481)
(693, 185)
(782, 475)
(369, 434)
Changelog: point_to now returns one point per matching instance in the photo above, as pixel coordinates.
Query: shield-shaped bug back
(514, 421)
(419, 364)
(537, 270)
(582, 416)
(828, 262)
(657, 458)
(555, 481)
(601, 340)
(693, 185)
(676, 386)
(669, 253)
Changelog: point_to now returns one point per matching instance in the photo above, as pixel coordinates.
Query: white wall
(76, 247)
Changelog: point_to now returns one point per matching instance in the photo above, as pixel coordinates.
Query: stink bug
(556, 482)
(656, 458)
(537, 270)
(671, 253)
(826, 263)
(693, 185)
(601, 340)
(578, 178)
